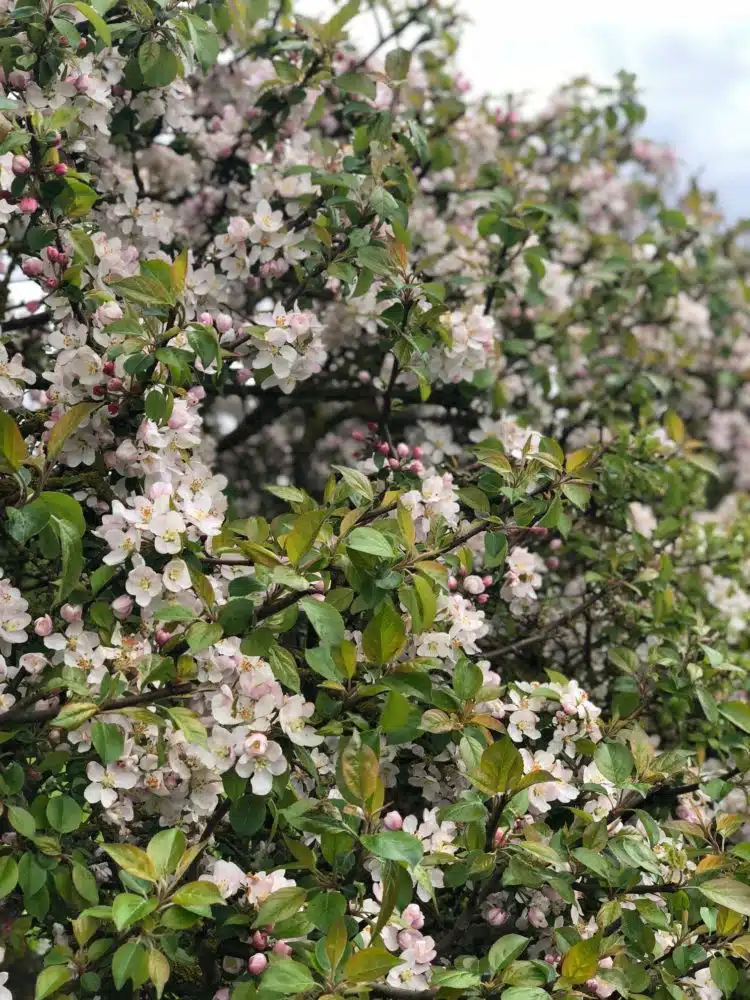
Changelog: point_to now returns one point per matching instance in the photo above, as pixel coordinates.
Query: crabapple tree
(372, 522)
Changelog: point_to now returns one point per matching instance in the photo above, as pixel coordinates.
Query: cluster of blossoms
(373, 615)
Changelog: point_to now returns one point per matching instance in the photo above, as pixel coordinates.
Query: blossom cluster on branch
(372, 529)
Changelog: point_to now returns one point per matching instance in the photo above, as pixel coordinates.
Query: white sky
(692, 60)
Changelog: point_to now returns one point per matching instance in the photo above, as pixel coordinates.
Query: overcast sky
(692, 60)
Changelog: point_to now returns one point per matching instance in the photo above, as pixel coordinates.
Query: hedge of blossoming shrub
(375, 579)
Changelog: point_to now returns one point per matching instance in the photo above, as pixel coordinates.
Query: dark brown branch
(128, 701)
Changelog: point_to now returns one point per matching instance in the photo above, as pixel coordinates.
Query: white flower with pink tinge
(228, 878)
(105, 781)
(261, 759)
(293, 720)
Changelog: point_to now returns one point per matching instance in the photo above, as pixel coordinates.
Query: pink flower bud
(499, 837)
(71, 613)
(60, 169)
(206, 319)
(318, 586)
(282, 948)
(483, 598)
(224, 323)
(32, 267)
(452, 583)
(496, 916)
(53, 255)
(33, 306)
(556, 544)
(462, 571)
(417, 452)
(114, 385)
(357, 436)
(43, 626)
(195, 394)
(257, 964)
(394, 463)
(259, 940)
(553, 563)
(113, 409)
(364, 377)
(531, 313)
(393, 820)
(487, 580)
(416, 467)
(473, 585)
(244, 375)
(52, 283)
(413, 916)
(382, 448)
(402, 450)
(162, 636)
(536, 917)
(20, 165)
(372, 426)
(28, 205)
(108, 367)
(222, 994)
(122, 606)
(98, 391)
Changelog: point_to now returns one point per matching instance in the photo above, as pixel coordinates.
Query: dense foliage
(375, 586)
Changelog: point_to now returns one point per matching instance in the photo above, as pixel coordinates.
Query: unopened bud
(257, 964)
(43, 626)
(393, 820)
(71, 613)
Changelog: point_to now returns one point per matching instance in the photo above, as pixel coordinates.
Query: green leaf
(64, 814)
(158, 64)
(128, 909)
(385, 635)
(23, 524)
(326, 621)
(8, 876)
(395, 845)
(384, 204)
(356, 83)
(205, 41)
(12, 446)
(144, 290)
(724, 974)
(96, 20)
(371, 541)
(738, 712)
(615, 762)
(455, 979)
(165, 850)
(85, 884)
(325, 909)
(132, 860)
(284, 667)
(728, 892)
(71, 550)
(75, 713)
(357, 481)
(280, 905)
(287, 978)
(50, 980)
(186, 720)
(173, 613)
(397, 63)
(247, 815)
(195, 896)
(108, 740)
(581, 961)
(504, 950)
(500, 769)
(300, 539)
(158, 970)
(579, 496)
(22, 821)
(65, 507)
(375, 259)
(524, 993)
(202, 635)
(370, 964)
(130, 962)
(69, 422)
(236, 615)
